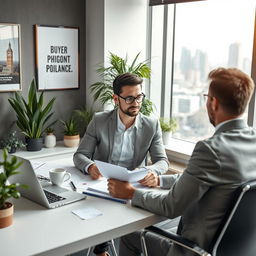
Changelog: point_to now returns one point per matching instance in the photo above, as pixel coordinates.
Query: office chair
(237, 237)
(112, 247)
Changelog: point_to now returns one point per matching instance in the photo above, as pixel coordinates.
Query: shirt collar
(227, 121)
(121, 126)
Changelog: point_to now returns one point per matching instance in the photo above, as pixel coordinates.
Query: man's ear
(215, 104)
(115, 98)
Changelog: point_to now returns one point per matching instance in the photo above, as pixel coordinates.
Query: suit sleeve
(157, 153)
(202, 173)
(167, 181)
(84, 154)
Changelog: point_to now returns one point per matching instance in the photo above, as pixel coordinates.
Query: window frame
(180, 150)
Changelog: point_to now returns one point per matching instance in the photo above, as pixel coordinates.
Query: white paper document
(120, 173)
(87, 213)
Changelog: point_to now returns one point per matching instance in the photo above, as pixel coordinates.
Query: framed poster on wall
(57, 57)
(10, 79)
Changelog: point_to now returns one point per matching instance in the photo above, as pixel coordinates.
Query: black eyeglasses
(207, 95)
(131, 99)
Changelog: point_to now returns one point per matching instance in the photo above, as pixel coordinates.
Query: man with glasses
(218, 166)
(123, 137)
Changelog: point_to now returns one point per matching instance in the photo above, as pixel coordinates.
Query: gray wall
(46, 12)
(94, 44)
(118, 26)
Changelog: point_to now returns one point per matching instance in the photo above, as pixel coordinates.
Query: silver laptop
(43, 193)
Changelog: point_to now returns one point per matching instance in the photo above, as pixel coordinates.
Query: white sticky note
(87, 213)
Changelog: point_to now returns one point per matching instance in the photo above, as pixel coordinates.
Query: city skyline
(214, 35)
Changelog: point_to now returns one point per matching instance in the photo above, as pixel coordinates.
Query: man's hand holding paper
(94, 172)
(150, 180)
(120, 189)
(111, 171)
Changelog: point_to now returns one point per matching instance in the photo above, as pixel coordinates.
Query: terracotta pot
(6, 216)
(71, 141)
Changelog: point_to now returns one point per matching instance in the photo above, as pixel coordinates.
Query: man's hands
(94, 172)
(120, 189)
(150, 180)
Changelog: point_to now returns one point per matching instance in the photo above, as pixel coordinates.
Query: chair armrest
(179, 240)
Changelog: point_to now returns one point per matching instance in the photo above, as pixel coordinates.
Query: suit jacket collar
(138, 139)
(233, 124)
(111, 131)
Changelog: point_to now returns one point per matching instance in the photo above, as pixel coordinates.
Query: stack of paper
(120, 173)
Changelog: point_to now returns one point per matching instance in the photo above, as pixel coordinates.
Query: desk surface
(40, 231)
(60, 149)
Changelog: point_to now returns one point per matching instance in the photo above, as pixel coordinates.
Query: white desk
(59, 150)
(39, 231)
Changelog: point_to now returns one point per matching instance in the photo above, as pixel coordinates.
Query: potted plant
(83, 116)
(168, 126)
(12, 143)
(50, 138)
(32, 116)
(104, 90)
(71, 134)
(8, 190)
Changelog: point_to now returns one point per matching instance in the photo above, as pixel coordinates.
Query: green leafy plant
(70, 127)
(49, 130)
(11, 143)
(8, 190)
(168, 125)
(84, 115)
(104, 90)
(31, 114)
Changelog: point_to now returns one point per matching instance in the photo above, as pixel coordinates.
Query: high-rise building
(185, 62)
(234, 56)
(201, 64)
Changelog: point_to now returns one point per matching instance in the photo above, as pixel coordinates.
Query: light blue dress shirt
(124, 140)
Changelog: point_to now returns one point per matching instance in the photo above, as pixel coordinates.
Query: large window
(189, 40)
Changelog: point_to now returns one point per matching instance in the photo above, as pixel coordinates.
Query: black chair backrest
(238, 237)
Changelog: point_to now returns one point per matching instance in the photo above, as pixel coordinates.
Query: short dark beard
(127, 112)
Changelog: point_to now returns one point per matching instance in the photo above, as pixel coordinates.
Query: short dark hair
(125, 79)
(232, 87)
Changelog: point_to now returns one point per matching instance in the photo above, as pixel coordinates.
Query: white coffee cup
(58, 176)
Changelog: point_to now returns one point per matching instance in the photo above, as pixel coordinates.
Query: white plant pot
(50, 140)
(166, 137)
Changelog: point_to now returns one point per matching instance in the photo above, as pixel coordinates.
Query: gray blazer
(204, 191)
(97, 143)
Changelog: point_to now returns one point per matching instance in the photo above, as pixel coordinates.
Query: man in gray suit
(216, 168)
(123, 137)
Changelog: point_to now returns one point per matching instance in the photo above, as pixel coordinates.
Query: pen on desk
(72, 185)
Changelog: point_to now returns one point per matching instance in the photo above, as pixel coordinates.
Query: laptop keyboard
(52, 198)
